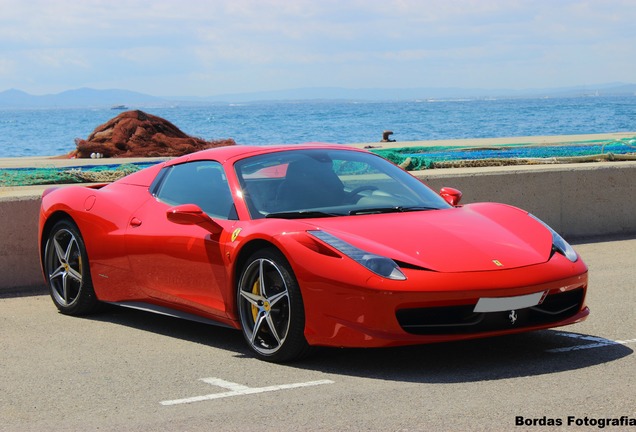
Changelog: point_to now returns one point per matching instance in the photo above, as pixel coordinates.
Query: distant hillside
(86, 97)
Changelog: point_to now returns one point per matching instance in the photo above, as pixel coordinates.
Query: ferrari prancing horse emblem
(513, 317)
(497, 263)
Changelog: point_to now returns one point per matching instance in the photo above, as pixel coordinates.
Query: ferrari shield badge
(235, 233)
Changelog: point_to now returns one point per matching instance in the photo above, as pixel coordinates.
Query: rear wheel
(271, 308)
(67, 272)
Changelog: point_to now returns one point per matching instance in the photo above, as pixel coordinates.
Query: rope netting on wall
(44, 176)
(411, 158)
(418, 158)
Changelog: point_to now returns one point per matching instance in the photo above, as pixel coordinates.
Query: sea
(52, 131)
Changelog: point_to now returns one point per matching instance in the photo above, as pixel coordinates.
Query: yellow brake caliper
(255, 290)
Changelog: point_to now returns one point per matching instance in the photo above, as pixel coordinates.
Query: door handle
(134, 222)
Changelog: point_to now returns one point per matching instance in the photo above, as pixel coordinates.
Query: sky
(213, 47)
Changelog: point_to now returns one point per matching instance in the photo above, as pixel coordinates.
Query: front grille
(462, 319)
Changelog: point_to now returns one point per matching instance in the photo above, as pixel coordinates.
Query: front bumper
(353, 309)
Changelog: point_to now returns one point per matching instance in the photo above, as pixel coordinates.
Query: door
(184, 264)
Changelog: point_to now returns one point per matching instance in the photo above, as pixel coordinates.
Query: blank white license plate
(500, 304)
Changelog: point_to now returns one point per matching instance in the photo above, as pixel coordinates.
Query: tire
(67, 271)
(271, 308)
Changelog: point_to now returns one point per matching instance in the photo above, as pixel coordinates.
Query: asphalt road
(126, 370)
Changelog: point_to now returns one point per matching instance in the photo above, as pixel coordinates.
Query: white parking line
(236, 389)
(597, 342)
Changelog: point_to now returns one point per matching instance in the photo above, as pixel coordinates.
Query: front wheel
(271, 308)
(67, 272)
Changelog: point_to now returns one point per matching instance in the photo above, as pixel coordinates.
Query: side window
(202, 183)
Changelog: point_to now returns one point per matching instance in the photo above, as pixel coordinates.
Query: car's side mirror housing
(451, 195)
(191, 214)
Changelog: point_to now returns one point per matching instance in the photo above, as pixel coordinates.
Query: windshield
(327, 182)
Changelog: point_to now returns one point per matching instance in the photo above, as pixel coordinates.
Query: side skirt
(161, 310)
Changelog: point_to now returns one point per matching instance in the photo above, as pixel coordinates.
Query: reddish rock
(138, 134)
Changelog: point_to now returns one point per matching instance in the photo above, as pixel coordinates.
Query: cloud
(265, 44)
(6, 67)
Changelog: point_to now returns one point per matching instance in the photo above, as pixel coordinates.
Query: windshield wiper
(302, 214)
(395, 209)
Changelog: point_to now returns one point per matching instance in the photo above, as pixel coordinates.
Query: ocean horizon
(52, 131)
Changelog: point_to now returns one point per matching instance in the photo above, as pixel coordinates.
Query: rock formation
(138, 134)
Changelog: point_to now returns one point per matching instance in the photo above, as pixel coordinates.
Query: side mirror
(451, 195)
(191, 214)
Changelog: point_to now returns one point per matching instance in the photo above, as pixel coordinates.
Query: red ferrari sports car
(307, 245)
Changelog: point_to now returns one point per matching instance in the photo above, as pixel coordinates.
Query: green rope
(44, 176)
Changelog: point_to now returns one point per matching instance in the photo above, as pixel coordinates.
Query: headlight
(379, 265)
(558, 243)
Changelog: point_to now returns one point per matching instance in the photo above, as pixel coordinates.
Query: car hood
(475, 237)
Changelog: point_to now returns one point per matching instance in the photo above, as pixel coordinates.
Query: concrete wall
(19, 262)
(577, 200)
